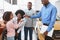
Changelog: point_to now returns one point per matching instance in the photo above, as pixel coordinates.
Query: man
(29, 26)
(48, 15)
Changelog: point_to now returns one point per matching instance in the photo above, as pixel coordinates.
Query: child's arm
(20, 25)
(16, 26)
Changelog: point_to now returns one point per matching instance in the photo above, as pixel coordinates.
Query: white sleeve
(21, 25)
(23, 22)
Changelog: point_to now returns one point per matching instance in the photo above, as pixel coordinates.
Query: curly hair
(21, 12)
(6, 15)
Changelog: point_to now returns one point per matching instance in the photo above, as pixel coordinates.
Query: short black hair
(6, 15)
(20, 12)
(30, 3)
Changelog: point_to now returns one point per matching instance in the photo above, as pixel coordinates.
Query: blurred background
(13, 5)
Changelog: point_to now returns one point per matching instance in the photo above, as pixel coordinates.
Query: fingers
(26, 16)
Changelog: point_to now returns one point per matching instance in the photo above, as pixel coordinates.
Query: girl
(9, 25)
(19, 18)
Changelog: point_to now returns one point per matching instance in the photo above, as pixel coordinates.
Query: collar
(47, 5)
(30, 9)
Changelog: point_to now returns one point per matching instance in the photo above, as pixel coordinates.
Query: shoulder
(53, 7)
(25, 10)
(32, 9)
(24, 19)
(9, 22)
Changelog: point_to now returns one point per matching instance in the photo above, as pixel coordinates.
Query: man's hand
(45, 33)
(26, 16)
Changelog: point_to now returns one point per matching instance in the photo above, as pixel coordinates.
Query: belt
(45, 24)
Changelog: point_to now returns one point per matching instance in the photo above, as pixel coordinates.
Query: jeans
(10, 38)
(26, 29)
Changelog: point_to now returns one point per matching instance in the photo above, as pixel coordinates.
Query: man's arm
(38, 15)
(53, 19)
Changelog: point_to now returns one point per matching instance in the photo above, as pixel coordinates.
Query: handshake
(26, 16)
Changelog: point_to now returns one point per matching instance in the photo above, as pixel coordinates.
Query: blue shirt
(48, 15)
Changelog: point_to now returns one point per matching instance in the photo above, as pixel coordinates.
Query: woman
(19, 17)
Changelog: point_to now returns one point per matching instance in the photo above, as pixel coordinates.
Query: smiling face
(11, 16)
(19, 16)
(29, 5)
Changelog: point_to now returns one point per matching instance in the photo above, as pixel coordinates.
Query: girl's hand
(21, 20)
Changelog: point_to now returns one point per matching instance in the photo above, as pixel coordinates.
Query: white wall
(57, 4)
(23, 3)
(38, 4)
(1, 4)
(1, 8)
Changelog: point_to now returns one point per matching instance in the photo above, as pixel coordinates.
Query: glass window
(14, 2)
(9, 1)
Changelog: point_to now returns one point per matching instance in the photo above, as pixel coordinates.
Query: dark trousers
(26, 29)
(48, 38)
(19, 36)
(4, 36)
